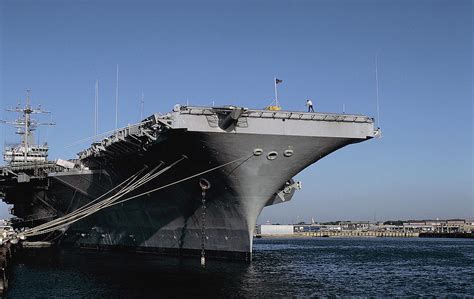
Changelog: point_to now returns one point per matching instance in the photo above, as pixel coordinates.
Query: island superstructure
(142, 188)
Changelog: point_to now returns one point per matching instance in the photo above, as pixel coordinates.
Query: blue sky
(229, 51)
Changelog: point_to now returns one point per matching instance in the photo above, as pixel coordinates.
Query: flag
(278, 80)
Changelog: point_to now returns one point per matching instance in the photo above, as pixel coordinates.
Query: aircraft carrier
(192, 181)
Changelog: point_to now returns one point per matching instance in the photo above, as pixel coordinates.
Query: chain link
(203, 226)
(204, 184)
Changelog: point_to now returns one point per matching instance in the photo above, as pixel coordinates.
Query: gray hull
(270, 152)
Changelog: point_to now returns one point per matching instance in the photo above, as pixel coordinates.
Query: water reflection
(51, 273)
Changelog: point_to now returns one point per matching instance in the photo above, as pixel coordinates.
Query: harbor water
(309, 267)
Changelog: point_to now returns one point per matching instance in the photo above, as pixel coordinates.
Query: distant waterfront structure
(271, 229)
(448, 226)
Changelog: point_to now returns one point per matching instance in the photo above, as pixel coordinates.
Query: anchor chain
(205, 185)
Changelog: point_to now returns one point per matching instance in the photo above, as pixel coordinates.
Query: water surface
(281, 268)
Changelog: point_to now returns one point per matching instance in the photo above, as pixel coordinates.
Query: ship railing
(46, 166)
(281, 114)
(127, 139)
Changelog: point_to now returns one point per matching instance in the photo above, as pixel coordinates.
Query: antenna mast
(377, 89)
(116, 99)
(26, 112)
(96, 109)
(25, 125)
(142, 103)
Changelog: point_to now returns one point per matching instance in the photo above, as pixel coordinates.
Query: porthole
(288, 153)
(272, 155)
(257, 152)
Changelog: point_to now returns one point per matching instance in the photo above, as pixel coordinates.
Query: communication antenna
(377, 89)
(116, 98)
(96, 109)
(47, 128)
(142, 103)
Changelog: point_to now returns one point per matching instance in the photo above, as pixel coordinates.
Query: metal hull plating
(267, 152)
(169, 220)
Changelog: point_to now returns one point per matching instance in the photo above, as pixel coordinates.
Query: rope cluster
(106, 200)
(132, 183)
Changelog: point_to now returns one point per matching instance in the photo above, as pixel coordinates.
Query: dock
(347, 234)
(6, 253)
(457, 235)
(8, 250)
(359, 234)
(37, 244)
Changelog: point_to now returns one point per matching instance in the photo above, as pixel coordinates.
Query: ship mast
(26, 113)
(25, 124)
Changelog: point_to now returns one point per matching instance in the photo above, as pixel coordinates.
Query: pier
(322, 234)
(449, 228)
(359, 234)
(6, 253)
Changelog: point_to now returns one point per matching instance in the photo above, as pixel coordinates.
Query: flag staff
(276, 91)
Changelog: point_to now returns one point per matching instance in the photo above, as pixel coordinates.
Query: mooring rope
(128, 185)
(79, 210)
(132, 184)
(177, 182)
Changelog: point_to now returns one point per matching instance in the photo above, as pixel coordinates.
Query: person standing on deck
(309, 103)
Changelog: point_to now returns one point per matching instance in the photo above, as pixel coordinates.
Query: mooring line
(176, 182)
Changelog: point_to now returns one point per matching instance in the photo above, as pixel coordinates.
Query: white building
(272, 229)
